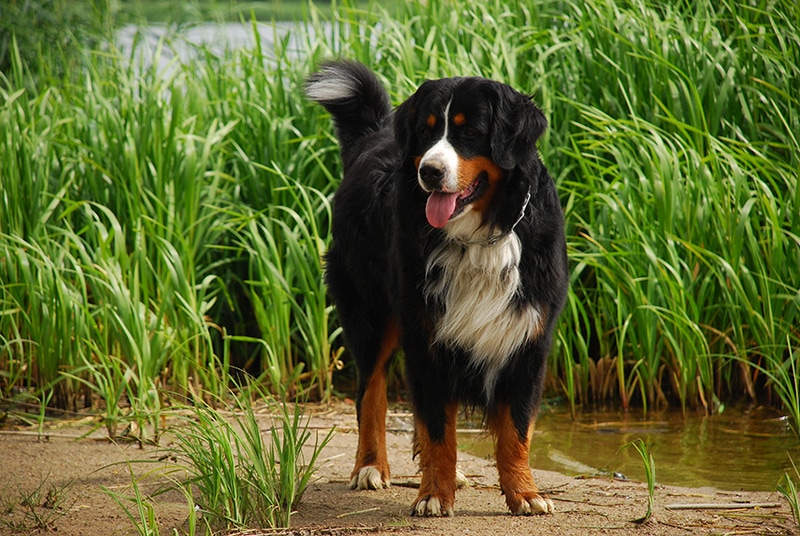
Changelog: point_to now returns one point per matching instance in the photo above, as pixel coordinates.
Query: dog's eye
(425, 132)
(470, 133)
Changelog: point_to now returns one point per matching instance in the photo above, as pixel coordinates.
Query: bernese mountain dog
(448, 243)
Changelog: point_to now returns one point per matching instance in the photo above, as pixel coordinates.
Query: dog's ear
(518, 123)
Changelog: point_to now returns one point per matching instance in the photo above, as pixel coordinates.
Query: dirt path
(71, 475)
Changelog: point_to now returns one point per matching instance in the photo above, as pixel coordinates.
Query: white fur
(332, 86)
(467, 227)
(368, 478)
(431, 507)
(445, 154)
(537, 505)
(461, 480)
(477, 286)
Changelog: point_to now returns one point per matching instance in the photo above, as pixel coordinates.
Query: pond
(743, 448)
(164, 44)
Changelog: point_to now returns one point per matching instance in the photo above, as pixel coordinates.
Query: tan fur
(437, 461)
(511, 452)
(372, 421)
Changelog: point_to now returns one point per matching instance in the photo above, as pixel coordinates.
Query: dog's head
(473, 144)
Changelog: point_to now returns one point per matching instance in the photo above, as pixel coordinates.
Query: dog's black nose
(432, 174)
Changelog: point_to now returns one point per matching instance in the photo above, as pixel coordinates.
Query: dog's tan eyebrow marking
(459, 119)
(431, 122)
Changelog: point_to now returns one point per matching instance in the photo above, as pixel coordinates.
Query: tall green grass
(683, 204)
(244, 479)
(137, 209)
(162, 227)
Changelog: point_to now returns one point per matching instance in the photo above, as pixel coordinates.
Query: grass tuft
(650, 475)
(788, 488)
(246, 476)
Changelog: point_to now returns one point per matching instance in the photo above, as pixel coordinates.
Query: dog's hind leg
(511, 452)
(371, 470)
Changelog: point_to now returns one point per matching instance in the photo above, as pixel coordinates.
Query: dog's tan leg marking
(516, 480)
(371, 470)
(437, 460)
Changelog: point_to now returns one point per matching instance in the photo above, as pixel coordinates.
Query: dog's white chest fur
(478, 286)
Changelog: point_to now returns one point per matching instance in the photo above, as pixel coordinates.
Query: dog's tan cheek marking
(437, 461)
(511, 453)
(417, 160)
(372, 418)
(471, 168)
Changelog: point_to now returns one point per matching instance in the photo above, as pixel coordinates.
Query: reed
(244, 476)
(650, 477)
(677, 204)
(788, 488)
(138, 508)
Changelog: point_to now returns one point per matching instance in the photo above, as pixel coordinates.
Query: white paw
(535, 505)
(461, 480)
(430, 507)
(369, 477)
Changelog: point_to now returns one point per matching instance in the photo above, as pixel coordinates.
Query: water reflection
(740, 449)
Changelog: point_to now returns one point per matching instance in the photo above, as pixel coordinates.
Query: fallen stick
(721, 506)
(405, 484)
(357, 512)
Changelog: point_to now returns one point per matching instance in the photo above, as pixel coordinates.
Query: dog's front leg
(511, 451)
(437, 460)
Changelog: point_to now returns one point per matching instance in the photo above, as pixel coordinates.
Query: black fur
(375, 268)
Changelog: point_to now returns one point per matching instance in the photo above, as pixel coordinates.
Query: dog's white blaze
(478, 286)
(445, 154)
(332, 86)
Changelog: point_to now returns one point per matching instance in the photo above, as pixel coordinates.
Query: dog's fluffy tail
(355, 98)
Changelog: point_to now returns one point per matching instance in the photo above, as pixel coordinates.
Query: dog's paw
(461, 480)
(431, 506)
(531, 504)
(369, 477)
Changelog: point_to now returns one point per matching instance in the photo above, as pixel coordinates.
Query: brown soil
(71, 475)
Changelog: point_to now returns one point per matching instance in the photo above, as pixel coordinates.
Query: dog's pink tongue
(440, 207)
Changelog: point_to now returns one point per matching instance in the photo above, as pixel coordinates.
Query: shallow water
(186, 44)
(739, 449)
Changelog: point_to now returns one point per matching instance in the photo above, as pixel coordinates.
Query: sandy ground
(55, 485)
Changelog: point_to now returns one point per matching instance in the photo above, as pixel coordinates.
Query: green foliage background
(162, 227)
